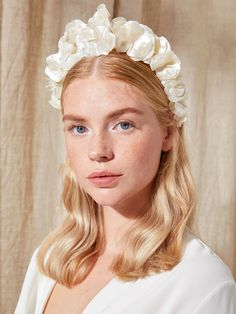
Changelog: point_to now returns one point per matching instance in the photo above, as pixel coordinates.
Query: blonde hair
(155, 240)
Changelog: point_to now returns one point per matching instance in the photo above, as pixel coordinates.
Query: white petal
(72, 30)
(127, 34)
(175, 89)
(179, 109)
(164, 59)
(84, 37)
(101, 17)
(91, 49)
(69, 62)
(161, 45)
(54, 70)
(146, 29)
(143, 47)
(116, 23)
(106, 40)
(65, 48)
(167, 65)
(56, 76)
(86, 34)
(169, 72)
(74, 25)
(55, 102)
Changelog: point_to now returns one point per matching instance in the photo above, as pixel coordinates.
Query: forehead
(94, 94)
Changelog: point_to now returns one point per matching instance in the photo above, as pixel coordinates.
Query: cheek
(69, 149)
(144, 154)
(73, 154)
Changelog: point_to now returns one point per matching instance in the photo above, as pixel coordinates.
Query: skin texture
(129, 144)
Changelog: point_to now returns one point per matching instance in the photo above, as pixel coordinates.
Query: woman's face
(109, 126)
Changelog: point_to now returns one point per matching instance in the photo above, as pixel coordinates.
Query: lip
(99, 174)
(103, 178)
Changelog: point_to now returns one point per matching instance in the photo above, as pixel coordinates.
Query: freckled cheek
(144, 155)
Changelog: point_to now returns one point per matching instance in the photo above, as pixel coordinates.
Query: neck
(117, 221)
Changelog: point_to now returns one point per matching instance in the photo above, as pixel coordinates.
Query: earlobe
(167, 140)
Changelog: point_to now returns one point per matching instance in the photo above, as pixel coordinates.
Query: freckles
(146, 147)
(135, 156)
(147, 154)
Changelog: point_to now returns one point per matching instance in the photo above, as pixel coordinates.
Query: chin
(105, 201)
(106, 197)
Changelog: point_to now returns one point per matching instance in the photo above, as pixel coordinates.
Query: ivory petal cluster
(100, 36)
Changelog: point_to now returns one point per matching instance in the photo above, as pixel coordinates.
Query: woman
(124, 246)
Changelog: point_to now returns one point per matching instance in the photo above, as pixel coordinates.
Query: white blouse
(200, 284)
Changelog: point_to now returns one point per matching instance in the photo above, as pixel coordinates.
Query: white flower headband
(99, 37)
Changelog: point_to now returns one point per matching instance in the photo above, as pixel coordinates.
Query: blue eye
(78, 129)
(125, 125)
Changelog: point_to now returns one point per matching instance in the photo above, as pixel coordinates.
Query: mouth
(103, 181)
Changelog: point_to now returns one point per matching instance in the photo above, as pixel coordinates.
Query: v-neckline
(99, 299)
(97, 302)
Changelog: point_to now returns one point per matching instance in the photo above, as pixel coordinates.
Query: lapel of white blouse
(103, 300)
(45, 287)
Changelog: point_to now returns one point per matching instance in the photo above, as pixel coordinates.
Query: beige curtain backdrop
(202, 34)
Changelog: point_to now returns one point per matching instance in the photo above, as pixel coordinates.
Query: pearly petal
(175, 89)
(69, 62)
(54, 70)
(84, 39)
(161, 45)
(164, 59)
(55, 102)
(101, 17)
(169, 72)
(146, 29)
(57, 91)
(127, 34)
(179, 109)
(86, 34)
(106, 40)
(91, 49)
(56, 94)
(116, 23)
(65, 48)
(55, 75)
(167, 65)
(72, 30)
(142, 48)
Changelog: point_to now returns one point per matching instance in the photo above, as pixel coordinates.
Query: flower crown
(100, 36)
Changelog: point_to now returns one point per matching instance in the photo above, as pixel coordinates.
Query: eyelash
(72, 127)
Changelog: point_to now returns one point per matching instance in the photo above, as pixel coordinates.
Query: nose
(100, 150)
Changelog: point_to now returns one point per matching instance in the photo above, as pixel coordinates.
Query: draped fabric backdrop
(202, 33)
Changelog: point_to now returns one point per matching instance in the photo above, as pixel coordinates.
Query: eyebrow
(113, 114)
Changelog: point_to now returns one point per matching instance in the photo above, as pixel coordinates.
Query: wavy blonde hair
(154, 242)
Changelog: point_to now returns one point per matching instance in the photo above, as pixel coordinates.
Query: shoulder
(32, 274)
(35, 285)
(203, 273)
(26, 302)
(202, 264)
(200, 283)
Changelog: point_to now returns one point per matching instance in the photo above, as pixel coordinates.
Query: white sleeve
(28, 295)
(222, 300)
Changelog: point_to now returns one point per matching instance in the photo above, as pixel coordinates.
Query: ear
(168, 139)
